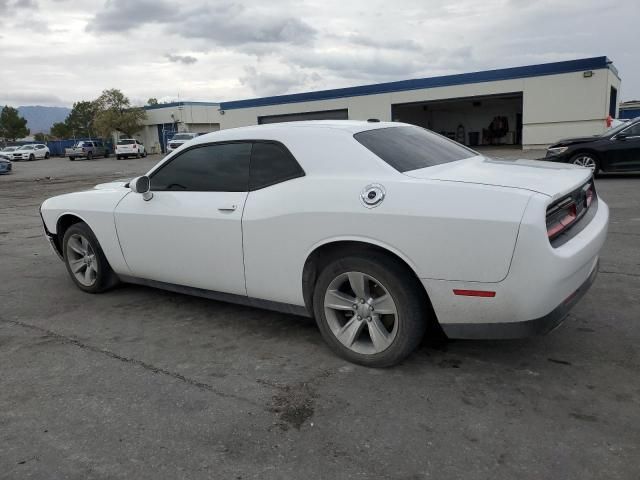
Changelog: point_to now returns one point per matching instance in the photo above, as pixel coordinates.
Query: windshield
(83, 144)
(614, 130)
(182, 136)
(9, 149)
(411, 148)
(26, 147)
(126, 142)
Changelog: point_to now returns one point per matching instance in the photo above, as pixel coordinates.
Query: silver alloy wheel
(585, 161)
(361, 313)
(82, 260)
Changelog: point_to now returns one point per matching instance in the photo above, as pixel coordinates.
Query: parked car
(5, 166)
(179, 139)
(374, 229)
(88, 149)
(32, 151)
(130, 147)
(6, 152)
(616, 150)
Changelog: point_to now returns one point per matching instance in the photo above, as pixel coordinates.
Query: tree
(115, 113)
(40, 137)
(12, 125)
(81, 119)
(152, 101)
(61, 130)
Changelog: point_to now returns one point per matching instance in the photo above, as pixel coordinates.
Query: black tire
(410, 300)
(586, 155)
(105, 277)
(47, 155)
(89, 155)
(71, 159)
(32, 157)
(118, 157)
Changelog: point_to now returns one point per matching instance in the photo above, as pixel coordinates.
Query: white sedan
(375, 229)
(32, 151)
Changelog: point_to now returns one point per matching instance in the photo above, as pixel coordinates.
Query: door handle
(228, 208)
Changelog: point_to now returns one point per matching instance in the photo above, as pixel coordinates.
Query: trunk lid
(549, 178)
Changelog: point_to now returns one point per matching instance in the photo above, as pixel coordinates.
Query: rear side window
(208, 168)
(272, 163)
(410, 148)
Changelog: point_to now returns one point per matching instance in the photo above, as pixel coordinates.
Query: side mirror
(621, 136)
(142, 185)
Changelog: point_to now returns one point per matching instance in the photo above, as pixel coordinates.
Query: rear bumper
(527, 328)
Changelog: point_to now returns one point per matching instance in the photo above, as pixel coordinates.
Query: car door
(624, 151)
(40, 151)
(190, 232)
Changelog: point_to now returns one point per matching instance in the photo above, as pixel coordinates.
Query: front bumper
(528, 328)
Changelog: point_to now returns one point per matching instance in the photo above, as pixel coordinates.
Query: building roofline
(555, 68)
(180, 104)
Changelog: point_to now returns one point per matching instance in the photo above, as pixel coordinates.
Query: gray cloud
(184, 59)
(26, 4)
(124, 15)
(266, 83)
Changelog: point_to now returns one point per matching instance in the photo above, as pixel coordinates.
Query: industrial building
(529, 107)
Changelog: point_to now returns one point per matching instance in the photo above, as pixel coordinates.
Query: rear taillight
(567, 211)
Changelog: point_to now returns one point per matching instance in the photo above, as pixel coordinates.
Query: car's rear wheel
(85, 261)
(587, 160)
(71, 159)
(90, 156)
(370, 312)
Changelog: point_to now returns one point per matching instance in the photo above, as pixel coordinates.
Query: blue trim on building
(180, 104)
(555, 68)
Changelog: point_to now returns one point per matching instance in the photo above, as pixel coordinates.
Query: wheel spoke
(384, 305)
(87, 275)
(85, 245)
(349, 333)
(76, 265)
(76, 246)
(379, 335)
(339, 301)
(359, 284)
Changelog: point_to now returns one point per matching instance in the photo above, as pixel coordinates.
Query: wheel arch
(63, 223)
(324, 252)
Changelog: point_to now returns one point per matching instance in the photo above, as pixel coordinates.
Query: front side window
(411, 148)
(208, 168)
(633, 130)
(272, 163)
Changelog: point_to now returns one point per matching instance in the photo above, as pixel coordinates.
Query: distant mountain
(39, 119)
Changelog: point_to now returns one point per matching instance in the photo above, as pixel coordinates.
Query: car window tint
(272, 163)
(410, 148)
(633, 130)
(209, 168)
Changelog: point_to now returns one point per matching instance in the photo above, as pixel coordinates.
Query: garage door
(297, 117)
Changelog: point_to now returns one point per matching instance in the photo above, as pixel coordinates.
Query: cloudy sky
(55, 52)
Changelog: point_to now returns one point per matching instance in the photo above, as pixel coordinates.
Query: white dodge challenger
(375, 229)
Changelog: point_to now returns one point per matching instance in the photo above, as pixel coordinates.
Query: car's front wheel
(587, 160)
(47, 155)
(85, 261)
(370, 312)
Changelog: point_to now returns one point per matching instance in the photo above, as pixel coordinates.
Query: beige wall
(555, 106)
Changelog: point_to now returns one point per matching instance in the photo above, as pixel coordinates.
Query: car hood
(572, 141)
(535, 175)
(119, 185)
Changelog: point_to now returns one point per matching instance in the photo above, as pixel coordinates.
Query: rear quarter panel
(443, 230)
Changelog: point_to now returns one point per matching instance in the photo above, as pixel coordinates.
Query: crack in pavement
(132, 361)
(620, 273)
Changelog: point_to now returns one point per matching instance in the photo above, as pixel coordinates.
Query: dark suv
(616, 150)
